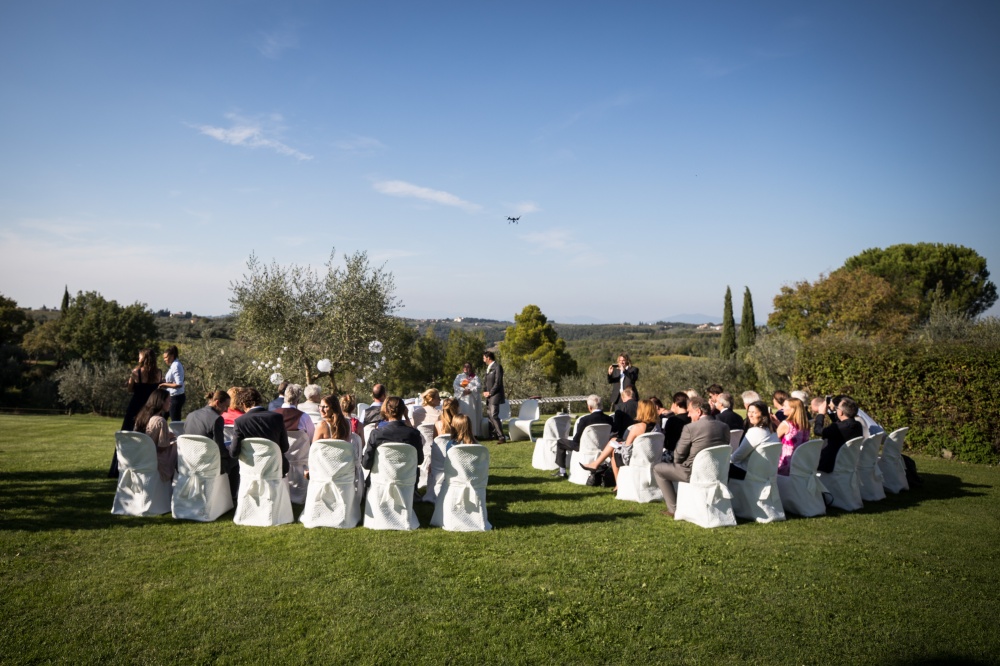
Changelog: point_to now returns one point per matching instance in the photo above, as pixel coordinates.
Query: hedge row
(947, 394)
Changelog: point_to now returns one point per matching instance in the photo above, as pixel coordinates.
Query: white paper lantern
(375, 347)
(276, 378)
(324, 365)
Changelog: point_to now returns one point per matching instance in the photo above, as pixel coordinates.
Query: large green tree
(463, 347)
(300, 316)
(533, 337)
(14, 323)
(727, 343)
(748, 324)
(921, 273)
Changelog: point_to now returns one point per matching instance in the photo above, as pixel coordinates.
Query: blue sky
(655, 151)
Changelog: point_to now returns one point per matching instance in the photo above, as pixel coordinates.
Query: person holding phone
(621, 375)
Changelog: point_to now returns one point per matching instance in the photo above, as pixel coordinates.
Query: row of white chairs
(331, 496)
(864, 470)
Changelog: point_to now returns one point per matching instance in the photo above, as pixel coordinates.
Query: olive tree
(295, 316)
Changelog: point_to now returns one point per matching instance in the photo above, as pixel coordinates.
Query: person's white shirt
(175, 375)
(312, 409)
(305, 421)
(754, 438)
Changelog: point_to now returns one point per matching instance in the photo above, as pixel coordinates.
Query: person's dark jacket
(207, 422)
(672, 430)
(834, 436)
(258, 422)
(392, 432)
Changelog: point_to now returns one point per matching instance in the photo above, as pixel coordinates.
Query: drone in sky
(513, 219)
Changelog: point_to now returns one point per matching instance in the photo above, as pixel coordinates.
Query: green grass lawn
(569, 575)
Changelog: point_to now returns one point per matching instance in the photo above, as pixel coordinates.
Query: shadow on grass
(943, 658)
(501, 519)
(79, 500)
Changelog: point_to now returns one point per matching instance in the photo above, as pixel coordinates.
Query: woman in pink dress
(794, 430)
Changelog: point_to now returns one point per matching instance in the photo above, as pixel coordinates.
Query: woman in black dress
(145, 378)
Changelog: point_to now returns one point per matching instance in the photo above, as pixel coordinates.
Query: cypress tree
(727, 345)
(65, 300)
(748, 325)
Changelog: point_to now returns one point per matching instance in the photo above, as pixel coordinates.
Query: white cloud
(252, 134)
(272, 44)
(360, 145)
(400, 188)
(526, 207)
(561, 243)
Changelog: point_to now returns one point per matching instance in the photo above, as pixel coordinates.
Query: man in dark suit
(620, 376)
(373, 415)
(674, 426)
(844, 429)
(703, 432)
(595, 417)
(257, 421)
(625, 414)
(724, 403)
(493, 393)
(207, 422)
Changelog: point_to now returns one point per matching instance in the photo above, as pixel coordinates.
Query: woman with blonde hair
(646, 418)
(461, 431)
(794, 430)
(449, 410)
(347, 406)
(233, 412)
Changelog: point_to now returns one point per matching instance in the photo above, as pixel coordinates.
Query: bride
(467, 389)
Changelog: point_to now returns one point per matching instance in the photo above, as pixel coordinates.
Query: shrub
(945, 393)
(98, 387)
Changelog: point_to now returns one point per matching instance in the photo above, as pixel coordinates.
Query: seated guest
(758, 433)
(723, 403)
(207, 422)
(279, 399)
(312, 394)
(333, 425)
(625, 413)
(703, 432)
(258, 421)
(801, 395)
(749, 396)
(675, 424)
(295, 419)
(150, 420)
(778, 399)
(347, 406)
(373, 415)
(662, 413)
(794, 430)
(713, 394)
(595, 417)
(621, 452)
(692, 393)
(836, 434)
(449, 410)
(821, 410)
(232, 412)
(461, 432)
(393, 431)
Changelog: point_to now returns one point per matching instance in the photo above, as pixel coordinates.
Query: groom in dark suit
(258, 422)
(493, 393)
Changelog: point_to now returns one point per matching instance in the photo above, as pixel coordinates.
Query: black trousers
(493, 416)
(562, 446)
(176, 403)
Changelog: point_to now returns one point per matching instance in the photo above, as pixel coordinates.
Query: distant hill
(692, 319)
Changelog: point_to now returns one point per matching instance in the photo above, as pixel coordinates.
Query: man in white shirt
(174, 382)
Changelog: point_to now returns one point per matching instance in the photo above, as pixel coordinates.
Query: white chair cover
(461, 505)
(298, 460)
(519, 427)
(757, 497)
(141, 491)
(331, 497)
(360, 472)
(891, 462)
(802, 491)
(389, 502)
(735, 437)
(592, 442)
(544, 456)
(176, 427)
(360, 410)
(843, 481)
(263, 498)
(635, 480)
(435, 473)
(201, 492)
(869, 475)
(705, 500)
(368, 429)
(427, 435)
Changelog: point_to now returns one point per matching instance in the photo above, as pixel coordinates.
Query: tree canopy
(919, 273)
(748, 323)
(727, 343)
(533, 337)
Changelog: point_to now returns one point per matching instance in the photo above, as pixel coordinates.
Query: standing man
(620, 376)
(494, 394)
(174, 382)
(703, 432)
